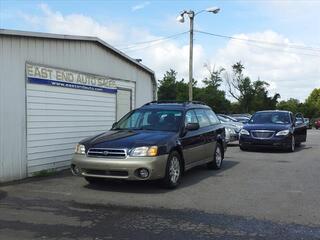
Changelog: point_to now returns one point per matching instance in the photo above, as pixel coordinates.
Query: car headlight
(230, 130)
(144, 151)
(244, 132)
(80, 149)
(283, 133)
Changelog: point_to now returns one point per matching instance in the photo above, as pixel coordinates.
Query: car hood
(127, 139)
(273, 127)
(236, 127)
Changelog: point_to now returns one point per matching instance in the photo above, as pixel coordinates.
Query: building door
(58, 118)
(124, 102)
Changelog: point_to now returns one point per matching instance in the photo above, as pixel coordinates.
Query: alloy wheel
(218, 157)
(293, 144)
(174, 170)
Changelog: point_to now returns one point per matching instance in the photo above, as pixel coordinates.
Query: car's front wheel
(217, 158)
(292, 146)
(173, 171)
(242, 148)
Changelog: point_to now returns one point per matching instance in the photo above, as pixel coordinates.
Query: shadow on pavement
(190, 177)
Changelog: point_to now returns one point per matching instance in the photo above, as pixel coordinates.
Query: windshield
(270, 117)
(151, 119)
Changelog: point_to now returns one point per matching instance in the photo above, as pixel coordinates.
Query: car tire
(292, 146)
(242, 148)
(217, 158)
(298, 144)
(173, 171)
(93, 180)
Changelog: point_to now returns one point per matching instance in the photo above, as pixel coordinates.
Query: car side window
(212, 117)
(202, 118)
(190, 117)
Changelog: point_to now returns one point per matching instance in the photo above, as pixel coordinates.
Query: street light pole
(191, 16)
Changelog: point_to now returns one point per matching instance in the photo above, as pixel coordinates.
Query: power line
(137, 44)
(278, 50)
(314, 49)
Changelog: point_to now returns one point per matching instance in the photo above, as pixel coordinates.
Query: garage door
(58, 118)
(124, 102)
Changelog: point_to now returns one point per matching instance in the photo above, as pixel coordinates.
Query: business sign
(69, 79)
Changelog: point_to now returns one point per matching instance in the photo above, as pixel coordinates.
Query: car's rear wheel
(173, 171)
(93, 180)
(217, 158)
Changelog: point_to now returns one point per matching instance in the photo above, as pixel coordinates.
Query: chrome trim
(114, 152)
(262, 131)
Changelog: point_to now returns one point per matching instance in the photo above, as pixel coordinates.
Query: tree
(312, 104)
(211, 94)
(292, 105)
(167, 86)
(261, 99)
(214, 80)
(251, 96)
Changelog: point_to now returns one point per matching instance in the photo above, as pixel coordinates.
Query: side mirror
(192, 126)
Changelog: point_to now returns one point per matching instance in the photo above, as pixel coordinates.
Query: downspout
(155, 87)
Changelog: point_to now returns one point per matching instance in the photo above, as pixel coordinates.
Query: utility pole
(191, 16)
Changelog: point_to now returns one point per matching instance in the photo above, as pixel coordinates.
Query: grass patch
(45, 173)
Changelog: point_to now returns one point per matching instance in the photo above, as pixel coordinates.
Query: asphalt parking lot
(257, 195)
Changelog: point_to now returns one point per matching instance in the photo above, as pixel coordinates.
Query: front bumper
(274, 142)
(120, 168)
(233, 137)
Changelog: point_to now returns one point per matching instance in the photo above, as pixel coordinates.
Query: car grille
(106, 173)
(107, 153)
(262, 134)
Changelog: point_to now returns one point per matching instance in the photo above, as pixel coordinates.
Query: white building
(56, 90)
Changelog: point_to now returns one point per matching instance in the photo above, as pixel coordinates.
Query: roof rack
(174, 101)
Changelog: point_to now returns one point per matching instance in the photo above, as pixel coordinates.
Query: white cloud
(140, 6)
(288, 71)
(78, 24)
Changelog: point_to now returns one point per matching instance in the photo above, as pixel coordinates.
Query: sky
(279, 40)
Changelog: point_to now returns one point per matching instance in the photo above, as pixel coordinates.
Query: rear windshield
(270, 117)
(151, 119)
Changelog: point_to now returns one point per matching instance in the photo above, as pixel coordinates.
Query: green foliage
(251, 96)
(312, 104)
(310, 108)
(167, 89)
(44, 173)
(292, 105)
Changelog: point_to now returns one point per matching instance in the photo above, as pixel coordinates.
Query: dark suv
(160, 140)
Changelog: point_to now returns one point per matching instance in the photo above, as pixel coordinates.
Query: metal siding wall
(131, 86)
(144, 89)
(87, 57)
(12, 110)
(58, 118)
(124, 98)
